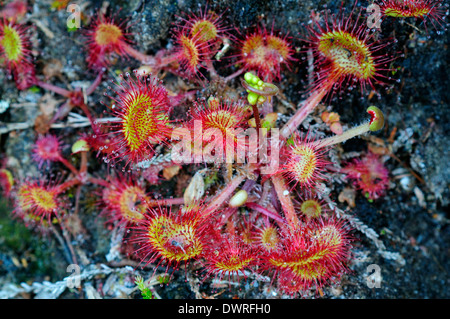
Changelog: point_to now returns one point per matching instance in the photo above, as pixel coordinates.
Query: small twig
(8, 127)
(49, 290)
(61, 242)
(44, 28)
(226, 46)
(67, 239)
(408, 168)
(24, 104)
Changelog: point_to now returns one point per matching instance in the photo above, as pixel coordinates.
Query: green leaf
(145, 291)
(34, 89)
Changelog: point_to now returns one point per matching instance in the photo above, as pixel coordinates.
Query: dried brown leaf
(171, 171)
(348, 195)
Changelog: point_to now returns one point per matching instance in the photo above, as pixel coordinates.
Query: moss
(19, 242)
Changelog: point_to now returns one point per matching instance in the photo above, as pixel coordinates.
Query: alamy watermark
(374, 276)
(74, 19)
(73, 280)
(374, 18)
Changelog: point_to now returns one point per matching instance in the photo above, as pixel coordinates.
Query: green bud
(80, 146)
(252, 98)
(248, 77)
(261, 99)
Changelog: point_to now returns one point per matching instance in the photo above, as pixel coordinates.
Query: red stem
(69, 165)
(257, 118)
(96, 83)
(84, 163)
(224, 195)
(285, 199)
(62, 111)
(211, 69)
(165, 202)
(168, 59)
(87, 112)
(306, 109)
(152, 61)
(144, 58)
(71, 182)
(258, 126)
(54, 88)
(233, 75)
(83, 175)
(265, 211)
(98, 181)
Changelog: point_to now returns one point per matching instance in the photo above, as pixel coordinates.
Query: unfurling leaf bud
(80, 146)
(377, 118)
